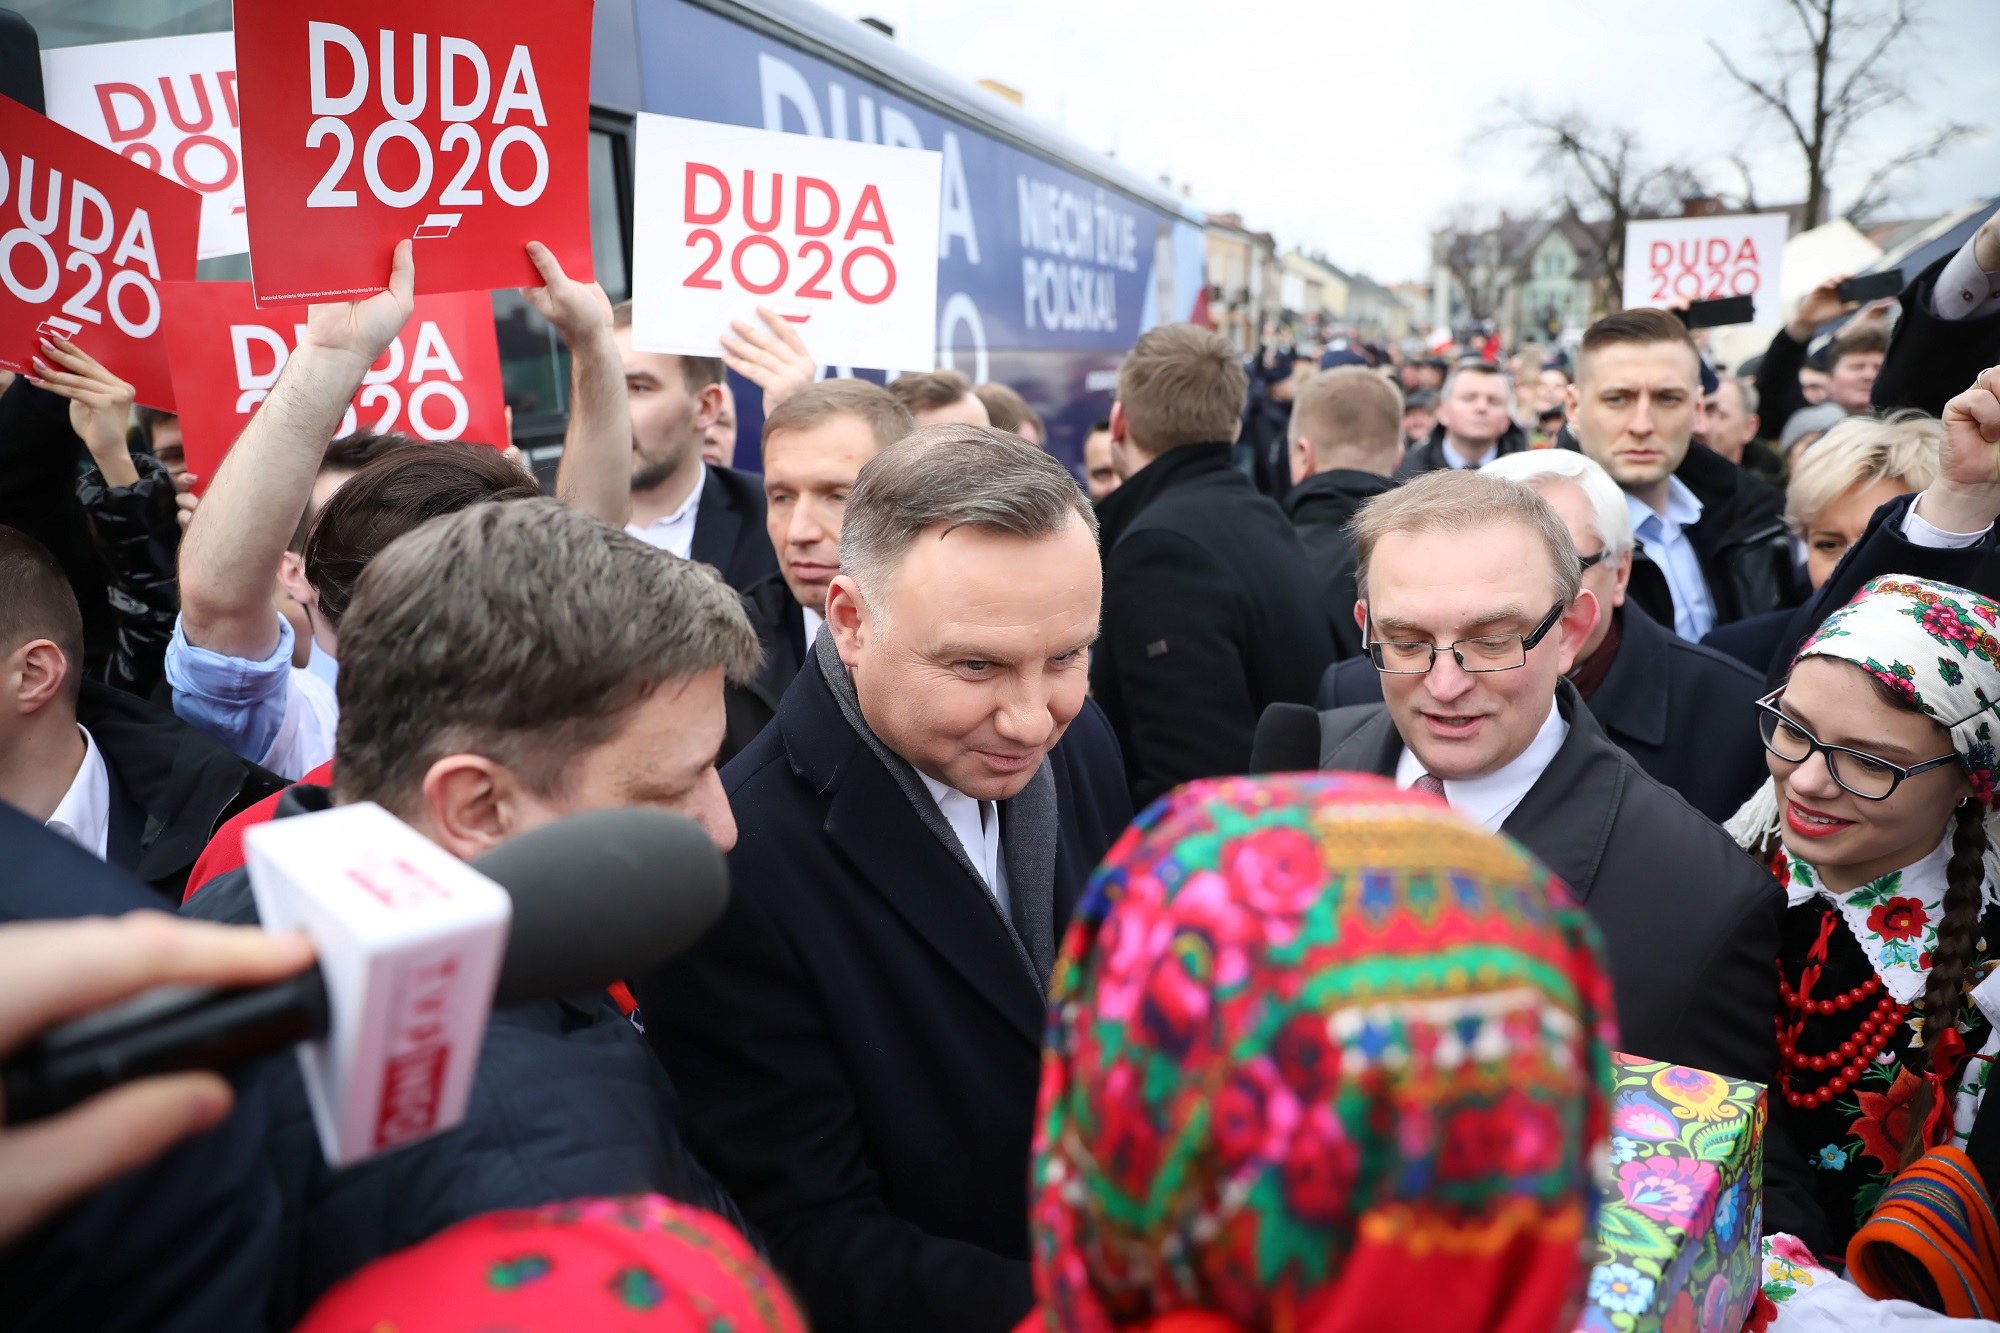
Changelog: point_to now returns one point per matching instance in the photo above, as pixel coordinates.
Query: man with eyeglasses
(1473, 608)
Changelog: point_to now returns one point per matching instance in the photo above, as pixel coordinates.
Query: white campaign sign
(169, 104)
(841, 238)
(1672, 261)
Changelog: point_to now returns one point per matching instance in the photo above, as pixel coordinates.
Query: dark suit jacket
(1884, 550)
(1211, 613)
(729, 528)
(781, 632)
(857, 1043)
(1689, 921)
(1682, 710)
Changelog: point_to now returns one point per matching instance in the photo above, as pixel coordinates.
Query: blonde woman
(1836, 487)
(1857, 467)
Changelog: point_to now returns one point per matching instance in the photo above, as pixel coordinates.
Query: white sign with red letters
(1674, 261)
(840, 238)
(169, 104)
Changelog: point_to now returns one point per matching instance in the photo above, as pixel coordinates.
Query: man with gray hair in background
(857, 1042)
(1685, 712)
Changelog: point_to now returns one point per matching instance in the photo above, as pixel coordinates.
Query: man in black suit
(1478, 713)
(1475, 423)
(1685, 712)
(1210, 609)
(857, 1042)
(679, 503)
(816, 440)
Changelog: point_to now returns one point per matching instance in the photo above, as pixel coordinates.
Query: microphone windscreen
(602, 896)
(1287, 740)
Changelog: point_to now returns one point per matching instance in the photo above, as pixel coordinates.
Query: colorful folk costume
(1323, 1057)
(592, 1266)
(1880, 1025)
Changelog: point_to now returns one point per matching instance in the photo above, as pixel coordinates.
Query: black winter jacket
(1320, 508)
(1742, 541)
(138, 535)
(568, 1102)
(1429, 456)
(1211, 613)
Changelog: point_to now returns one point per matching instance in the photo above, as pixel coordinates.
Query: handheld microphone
(414, 949)
(1287, 740)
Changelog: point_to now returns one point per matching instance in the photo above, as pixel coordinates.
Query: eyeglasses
(1858, 772)
(1586, 561)
(1488, 652)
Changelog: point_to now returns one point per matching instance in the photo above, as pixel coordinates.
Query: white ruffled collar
(1895, 918)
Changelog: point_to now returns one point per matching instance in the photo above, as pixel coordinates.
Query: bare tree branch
(1874, 194)
(1850, 49)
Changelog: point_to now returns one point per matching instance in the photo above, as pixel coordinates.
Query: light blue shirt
(1666, 543)
(265, 710)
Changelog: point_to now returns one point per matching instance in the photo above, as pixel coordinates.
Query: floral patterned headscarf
(1322, 1056)
(633, 1264)
(1935, 645)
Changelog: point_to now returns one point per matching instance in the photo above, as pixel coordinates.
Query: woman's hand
(100, 405)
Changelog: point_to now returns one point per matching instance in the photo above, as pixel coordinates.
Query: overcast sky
(1350, 128)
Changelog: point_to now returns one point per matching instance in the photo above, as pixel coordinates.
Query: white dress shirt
(1453, 459)
(813, 621)
(977, 824)
(1668, 547)
(675, 532)
(84, 813)
(1489, 800)
(1964, 290)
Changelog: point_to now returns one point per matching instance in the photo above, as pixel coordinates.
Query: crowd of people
(1086, 965)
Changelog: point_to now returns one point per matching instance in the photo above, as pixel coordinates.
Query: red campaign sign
(440, 379)
(467, 128)
(86, 241)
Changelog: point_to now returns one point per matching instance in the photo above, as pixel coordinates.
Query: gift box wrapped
(1677, 1233)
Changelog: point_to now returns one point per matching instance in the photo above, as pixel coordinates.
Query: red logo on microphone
(419, 1053)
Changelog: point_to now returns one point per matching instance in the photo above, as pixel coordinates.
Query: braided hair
(1951, 958)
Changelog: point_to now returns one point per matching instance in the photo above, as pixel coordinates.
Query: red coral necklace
(1853, 1055)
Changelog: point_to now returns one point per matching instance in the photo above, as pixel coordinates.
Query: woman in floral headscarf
(593, 1266)
(1877, 818)
(1322, 1056)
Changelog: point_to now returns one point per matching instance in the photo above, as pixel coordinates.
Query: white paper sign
(169, 104)
(840, 238)
(1672, 261)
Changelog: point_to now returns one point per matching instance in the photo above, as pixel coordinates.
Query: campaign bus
(1052, 258)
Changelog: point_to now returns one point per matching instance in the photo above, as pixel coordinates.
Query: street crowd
(1198, 896)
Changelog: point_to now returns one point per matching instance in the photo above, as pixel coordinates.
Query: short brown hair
(39, 604)
(697, 372)
(953, 476)
(1636, 328)
(1450, 500)
(1349, 411)
(1182, 384)
(524, 632)
(1858, 339)
(886, 418)
(395, 493)
(929, 390)
(1008, 410)
(348, 453)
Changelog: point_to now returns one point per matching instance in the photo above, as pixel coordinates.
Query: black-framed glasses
(1858, 772)
(1488, 652)
(1586, 561)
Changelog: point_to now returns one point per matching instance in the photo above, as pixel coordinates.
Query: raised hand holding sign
(86, 239)
(466, 135)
